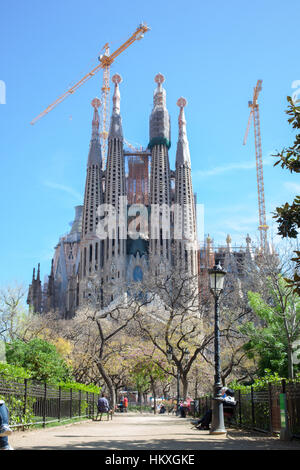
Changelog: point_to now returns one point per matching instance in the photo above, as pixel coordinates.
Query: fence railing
(260, 409)
(37, 403)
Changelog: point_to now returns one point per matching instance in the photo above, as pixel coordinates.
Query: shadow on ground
(192, 443)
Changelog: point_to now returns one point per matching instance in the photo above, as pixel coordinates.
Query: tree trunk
(154, 395)
(140, 399)
(290, 362)
(185, 385)
(109, 384)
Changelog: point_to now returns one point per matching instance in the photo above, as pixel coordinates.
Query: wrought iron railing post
(79, 403)
(25, 401)
(240, 407)
(71, 402)
(270, 407)
(44, 407)
(59, 403)
(87, 403)
(252, 407)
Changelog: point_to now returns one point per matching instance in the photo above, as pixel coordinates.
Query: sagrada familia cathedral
(149, 207)
(138, 217)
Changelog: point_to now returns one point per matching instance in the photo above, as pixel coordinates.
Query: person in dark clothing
(121, 405)
(182, 410)
(103, 405)
(228, 400)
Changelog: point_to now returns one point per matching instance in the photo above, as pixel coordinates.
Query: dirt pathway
(142, 432)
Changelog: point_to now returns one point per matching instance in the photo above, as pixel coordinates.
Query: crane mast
(254, 114)
(105, 62)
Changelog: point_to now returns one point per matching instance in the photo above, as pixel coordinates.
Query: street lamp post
(216, 279)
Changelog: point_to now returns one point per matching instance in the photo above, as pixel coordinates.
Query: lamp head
(216, 279)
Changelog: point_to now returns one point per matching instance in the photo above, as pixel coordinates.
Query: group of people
(104, 406)
(123, 405)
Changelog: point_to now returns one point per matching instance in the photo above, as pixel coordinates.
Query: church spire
(115, 185)
(96, 103)
(95, 157)
(114, 196)
(93, 187)
(183, 152)
(159, 119)
(52, 267)
(116, 79)
(160, 178)
(185, 219)
(115, 130)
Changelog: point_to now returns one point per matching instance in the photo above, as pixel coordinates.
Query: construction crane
(135, 149)
(105, 62)
(254, 114)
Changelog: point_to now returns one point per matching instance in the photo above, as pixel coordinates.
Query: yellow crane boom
(105, 61)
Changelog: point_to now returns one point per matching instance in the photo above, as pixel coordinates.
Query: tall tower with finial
(185, 233)
(115, 194)
(160, 184)
(109, 247)
(90, 244)
(34, 297)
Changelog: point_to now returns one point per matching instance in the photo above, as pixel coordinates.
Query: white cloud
(66, 189)
(249, 165)
(294, 187)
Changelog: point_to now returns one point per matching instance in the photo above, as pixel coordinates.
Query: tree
(97, 326)
(173, 319)
(117, 361)
(288, 215)
(274, 336)
(40, 358)
(12, 312)
(148, 369)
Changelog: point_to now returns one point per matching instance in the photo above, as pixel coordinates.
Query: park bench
(108, 413)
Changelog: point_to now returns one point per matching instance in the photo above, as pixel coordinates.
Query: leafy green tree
(40, 358)
(13, 315)
(272, 338)
(288, 215)
(146, 371)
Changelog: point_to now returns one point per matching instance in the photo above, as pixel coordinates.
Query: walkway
(142, 432)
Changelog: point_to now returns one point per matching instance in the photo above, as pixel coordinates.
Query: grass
(39, 424)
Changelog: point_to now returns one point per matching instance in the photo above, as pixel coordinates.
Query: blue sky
(212, 53)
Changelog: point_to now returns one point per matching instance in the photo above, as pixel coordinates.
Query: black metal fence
(261, 410)
(37, 403)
